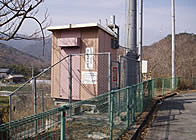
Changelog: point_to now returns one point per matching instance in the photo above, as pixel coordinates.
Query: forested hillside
(159, 56)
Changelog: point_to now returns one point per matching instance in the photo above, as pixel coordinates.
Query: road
(175, 119)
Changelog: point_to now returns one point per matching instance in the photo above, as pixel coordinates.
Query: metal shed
(90, 73)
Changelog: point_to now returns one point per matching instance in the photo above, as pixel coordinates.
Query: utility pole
(140, 39)
(173, 45)
(131, 42)
(132, 25)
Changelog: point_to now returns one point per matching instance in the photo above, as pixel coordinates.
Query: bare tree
(13, 13)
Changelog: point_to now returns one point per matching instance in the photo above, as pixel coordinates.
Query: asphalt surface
(175, 119)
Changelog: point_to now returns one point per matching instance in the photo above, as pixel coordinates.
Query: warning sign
(89, 59)
(115, 74)
(89, 77)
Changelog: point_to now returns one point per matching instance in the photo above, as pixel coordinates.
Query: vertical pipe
(132, 25)
(140, 39)
(70, 84)
(131, 41)
(63, 117)
(173, 45)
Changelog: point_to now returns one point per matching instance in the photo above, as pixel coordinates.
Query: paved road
(176, 119)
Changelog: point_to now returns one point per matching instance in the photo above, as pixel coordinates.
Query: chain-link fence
(73, 78)
(106, 116)
(129, 71)
(187, 83)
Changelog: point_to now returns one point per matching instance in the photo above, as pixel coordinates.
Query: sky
(157, 15)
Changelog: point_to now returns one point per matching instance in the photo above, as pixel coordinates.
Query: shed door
(64, 74)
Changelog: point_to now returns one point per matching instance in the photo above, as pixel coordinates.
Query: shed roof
(74, 26)
(4, 70)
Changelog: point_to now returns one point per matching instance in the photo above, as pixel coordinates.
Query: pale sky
(157, 15)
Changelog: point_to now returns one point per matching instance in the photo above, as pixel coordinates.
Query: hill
(159, 56)
(11, 56)
(32, 47)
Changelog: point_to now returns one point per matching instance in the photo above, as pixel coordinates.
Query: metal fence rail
(106, 116)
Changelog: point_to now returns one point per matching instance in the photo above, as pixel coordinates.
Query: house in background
(4, 72)
(16, 78)
(90, 76)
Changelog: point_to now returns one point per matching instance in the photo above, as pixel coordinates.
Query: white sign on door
(89, 59)
(89, 77)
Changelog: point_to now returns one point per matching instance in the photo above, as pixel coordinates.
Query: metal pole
(110, 72)
(63, 117)
(128, 107)
(35, 100)
(109, 80)
(42, 101)
(35, 95)
(140, 39)
(111, 114)
(119, 73)
(132, 25)
(173, 46)
(70, 84)
(163, 86)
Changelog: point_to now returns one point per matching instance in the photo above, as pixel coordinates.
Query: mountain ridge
(11, 56)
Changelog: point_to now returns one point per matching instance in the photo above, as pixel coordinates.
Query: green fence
(106, 116)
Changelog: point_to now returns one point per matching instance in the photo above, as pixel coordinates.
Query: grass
(14, 87)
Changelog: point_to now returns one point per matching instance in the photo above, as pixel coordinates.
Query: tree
(13, 13)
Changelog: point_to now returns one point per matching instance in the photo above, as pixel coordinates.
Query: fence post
(63, 120)
(109, 79)
(133, 105)
(153, 87)
(111, 113)
(163, 86)
(10, 108)
(119, 103)
(128, 106)
(10, 114)
(149, 92)
(141, 97)
(110, 71)
(119, 74)
(35, 100)
(177, 82)
(70, 84)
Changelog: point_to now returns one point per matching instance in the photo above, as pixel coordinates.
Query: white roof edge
(72, 26)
